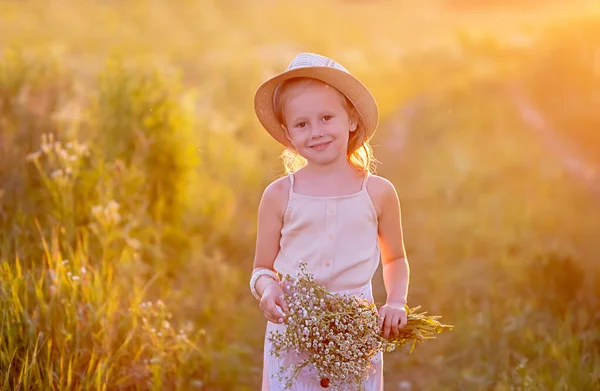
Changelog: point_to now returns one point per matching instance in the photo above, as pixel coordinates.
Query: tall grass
(499, 241)
(95, 233)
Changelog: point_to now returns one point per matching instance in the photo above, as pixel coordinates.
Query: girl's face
(317, 122)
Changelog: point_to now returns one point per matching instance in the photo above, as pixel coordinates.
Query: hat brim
(347, 84)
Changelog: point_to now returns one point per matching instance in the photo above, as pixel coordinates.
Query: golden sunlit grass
(500, 235)
(127, 239)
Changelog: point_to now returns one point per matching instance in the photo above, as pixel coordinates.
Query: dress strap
(290, 193)
(291, 175)
(364, 185)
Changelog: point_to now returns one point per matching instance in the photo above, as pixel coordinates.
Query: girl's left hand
(392, 317)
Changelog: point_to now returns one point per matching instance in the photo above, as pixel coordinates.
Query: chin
(326, 160)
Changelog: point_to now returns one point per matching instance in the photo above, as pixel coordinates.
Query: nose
(317, 131)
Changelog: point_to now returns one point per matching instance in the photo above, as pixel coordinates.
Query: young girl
(329, 211)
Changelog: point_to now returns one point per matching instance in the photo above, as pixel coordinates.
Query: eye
(327, 117)
(301, 125)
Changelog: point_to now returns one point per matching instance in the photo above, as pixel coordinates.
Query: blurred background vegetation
(131, 165)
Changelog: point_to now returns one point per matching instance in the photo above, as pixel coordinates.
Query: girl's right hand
(272, 302)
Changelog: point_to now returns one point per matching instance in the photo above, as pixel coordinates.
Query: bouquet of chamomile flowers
(339, 334)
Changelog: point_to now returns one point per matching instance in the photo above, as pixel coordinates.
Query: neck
(341, 166)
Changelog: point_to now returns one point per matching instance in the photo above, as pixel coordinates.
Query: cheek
(342, 132)
(297, 138)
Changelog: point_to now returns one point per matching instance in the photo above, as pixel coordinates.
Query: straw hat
(326, 70)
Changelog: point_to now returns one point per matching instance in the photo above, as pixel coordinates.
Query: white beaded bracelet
(260, 272)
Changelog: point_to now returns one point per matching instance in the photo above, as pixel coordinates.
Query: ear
(287, 135)
(353, 119)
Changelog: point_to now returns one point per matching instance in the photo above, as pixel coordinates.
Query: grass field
(131, 166)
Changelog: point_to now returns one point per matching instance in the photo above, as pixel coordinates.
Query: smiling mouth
(320, 146)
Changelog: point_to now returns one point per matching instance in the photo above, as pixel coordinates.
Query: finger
(277, 313)
(268, 304)
(273, 317)
(403, 319)
(395, 321)
(380, 319)
(387, 326)
(271, 311)
(280, 314)
(282, 303)
(265, 302)
(275, 320)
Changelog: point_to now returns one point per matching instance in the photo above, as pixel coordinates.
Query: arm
(396, 270)
(270, 222)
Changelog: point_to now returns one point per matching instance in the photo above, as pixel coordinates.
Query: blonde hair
(359, 154)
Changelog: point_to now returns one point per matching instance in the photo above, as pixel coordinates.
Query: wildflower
(112, 212)
(339, 333)
(47, 141)
(108, 215)
(133, 243)
(33, 156)
(57, 174)
(97, 211)
(63, 154)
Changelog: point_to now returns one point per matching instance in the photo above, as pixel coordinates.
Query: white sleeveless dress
(337, 237)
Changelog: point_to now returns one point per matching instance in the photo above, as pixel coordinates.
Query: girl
(329, 211)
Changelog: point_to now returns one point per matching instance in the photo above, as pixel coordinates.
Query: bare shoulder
(382, 192)
(380, 185)
(275, 195)
(278, 187)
